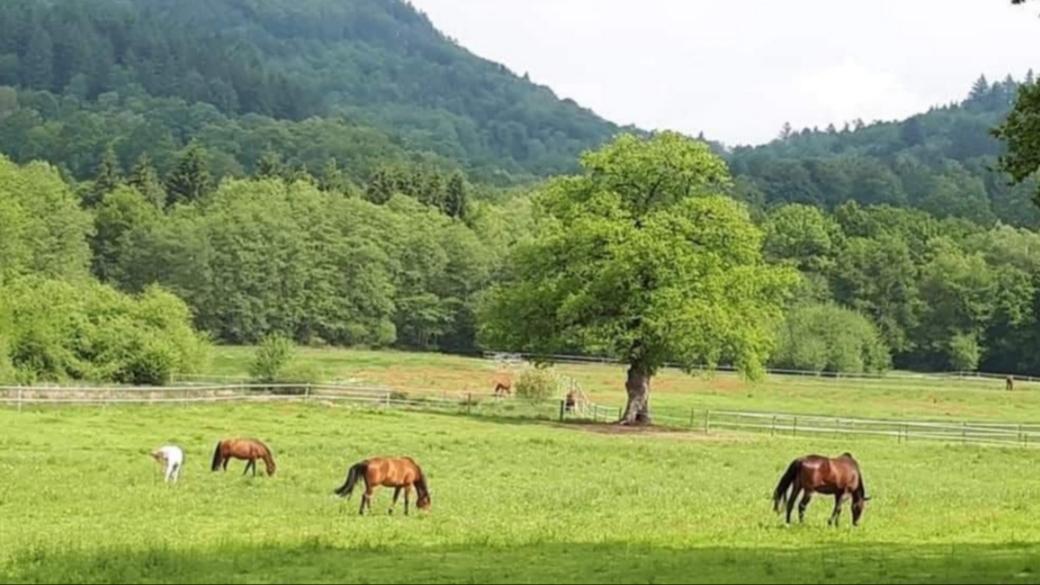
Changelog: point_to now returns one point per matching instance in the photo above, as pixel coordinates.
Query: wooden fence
(705, 421)
(898, 375)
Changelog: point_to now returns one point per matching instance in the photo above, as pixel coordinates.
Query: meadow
(675, 392)
(513, 501)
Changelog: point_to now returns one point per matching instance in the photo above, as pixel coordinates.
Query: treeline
(941, 162)
(939, 294)
(278, 253)
(376, 68)
(74, 134)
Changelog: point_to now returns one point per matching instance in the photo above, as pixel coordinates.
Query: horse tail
(861, 490)
(355, 473)
(216, 457)
(780, 494)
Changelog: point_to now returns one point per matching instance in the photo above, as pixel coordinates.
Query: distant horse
(400, 473)
(172, 459)
(503, 384)
(569, 402)
(247, 449)
(1009, 383)
(839, 476)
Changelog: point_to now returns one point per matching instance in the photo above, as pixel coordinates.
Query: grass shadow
(610, 562)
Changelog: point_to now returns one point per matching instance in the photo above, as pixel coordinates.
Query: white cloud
(739, 70)
(852, 90)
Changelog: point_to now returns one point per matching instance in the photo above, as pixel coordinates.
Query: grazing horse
(503, 384)
(1009, 383)
(399, 473)
(248, 449)
(172, 459)
(839, 476)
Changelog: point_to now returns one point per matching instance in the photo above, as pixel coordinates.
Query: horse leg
(397, 492)
(791, 499)
(366, 498)
(407, 492)
(806, 498)
(226, 460)
(245, 469)
(838, 497)
(252, 463)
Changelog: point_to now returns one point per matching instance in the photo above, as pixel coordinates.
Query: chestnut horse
(503, 384)
(248, 449)
(839, 476)
(400, 473)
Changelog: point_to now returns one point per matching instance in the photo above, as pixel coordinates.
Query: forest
(343, 173)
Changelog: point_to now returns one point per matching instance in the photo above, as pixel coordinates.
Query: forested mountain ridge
(941, 161)
(377, 69)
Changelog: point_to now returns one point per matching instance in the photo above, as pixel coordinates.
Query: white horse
(173, 458)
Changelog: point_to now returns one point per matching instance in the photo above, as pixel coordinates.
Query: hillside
(313, 79)
(940, 161)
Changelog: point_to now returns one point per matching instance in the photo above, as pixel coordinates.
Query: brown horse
(248, 449)
(399, 473)
(839, 476)
(503, 384)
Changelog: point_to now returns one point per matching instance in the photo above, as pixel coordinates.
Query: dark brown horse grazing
(248, 449)
(399, 473)
(839, 476)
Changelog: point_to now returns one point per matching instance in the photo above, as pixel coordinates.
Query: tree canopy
(644, 259)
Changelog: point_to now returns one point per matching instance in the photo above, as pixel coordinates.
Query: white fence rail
(579, 359)
(706, 421)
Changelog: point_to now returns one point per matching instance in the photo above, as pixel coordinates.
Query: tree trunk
(637, 412)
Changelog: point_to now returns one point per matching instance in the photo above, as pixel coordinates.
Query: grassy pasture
(675, 393)
(514, 501)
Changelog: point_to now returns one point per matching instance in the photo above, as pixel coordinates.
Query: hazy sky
(738, 70)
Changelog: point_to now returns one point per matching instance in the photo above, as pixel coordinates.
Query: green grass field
(675, 393)
(80, 501)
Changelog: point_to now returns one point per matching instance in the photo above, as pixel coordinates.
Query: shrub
(272, 356)
(964, 352)
(57, 331)
(826, 337)
(536, 384)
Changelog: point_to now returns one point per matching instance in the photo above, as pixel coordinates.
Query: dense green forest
(335, 171)
(942, 162)
(317, 78)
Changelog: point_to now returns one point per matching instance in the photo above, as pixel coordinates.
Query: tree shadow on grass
(610, 562)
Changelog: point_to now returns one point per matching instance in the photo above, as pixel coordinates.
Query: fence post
(387, 399)
(19, 399)
(469, 402)
(794, 427)
(562, 403)
(707, 414)
(691, 417)
(306, 392)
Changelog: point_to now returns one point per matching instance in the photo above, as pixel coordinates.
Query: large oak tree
(642, 258)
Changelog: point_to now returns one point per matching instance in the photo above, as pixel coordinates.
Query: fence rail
(1026, 434)
(1008, 433)
(957, 375)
